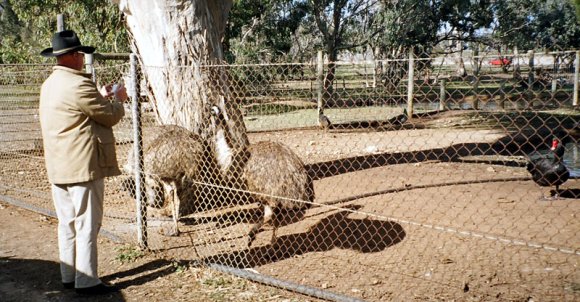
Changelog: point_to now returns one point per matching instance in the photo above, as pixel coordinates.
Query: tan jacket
(76, 123)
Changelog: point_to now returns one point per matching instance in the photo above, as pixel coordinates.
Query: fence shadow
(142, 274)
(334, 231)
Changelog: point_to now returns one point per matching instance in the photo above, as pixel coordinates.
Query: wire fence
(376, 180)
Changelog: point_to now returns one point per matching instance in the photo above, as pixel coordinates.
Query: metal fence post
(320, 79)
(59, 22)
(576, 78)
(90, 65)
(410, 83)
(138, 156)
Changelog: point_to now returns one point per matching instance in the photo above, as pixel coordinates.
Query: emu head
(154, 192)
(218, 117)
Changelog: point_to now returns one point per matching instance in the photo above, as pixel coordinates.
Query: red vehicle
(500, 62)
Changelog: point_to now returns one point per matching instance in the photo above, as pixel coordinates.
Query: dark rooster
(549, 170)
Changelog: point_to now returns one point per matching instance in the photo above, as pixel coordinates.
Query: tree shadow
(568, 193)
(519, 143)
(334, 231)
(397, 122)
(357, 163)
(425, 186)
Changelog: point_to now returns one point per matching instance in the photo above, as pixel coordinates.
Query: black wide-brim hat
(64, 42)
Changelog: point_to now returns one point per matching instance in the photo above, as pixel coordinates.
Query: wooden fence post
(442, 95)
(554, 89)
(374, 66)
(531, 72)
(138, 156)
(502, 96)
(516, 62)
(576, 79)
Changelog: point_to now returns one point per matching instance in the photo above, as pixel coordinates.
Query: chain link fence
(382, 180)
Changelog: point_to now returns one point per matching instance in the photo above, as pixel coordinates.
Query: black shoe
(68, 285)
(100, 289)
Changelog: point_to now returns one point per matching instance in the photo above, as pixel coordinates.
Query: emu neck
(223, 150)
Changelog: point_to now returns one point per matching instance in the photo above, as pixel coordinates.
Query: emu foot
(552, 195)
(169, 230)
(251, 238)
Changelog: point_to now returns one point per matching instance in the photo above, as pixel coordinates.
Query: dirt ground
(420, 225)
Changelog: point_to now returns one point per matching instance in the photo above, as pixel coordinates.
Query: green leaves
(531, 24)
(31, 23)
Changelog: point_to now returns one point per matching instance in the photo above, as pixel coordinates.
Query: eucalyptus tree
(179, 45)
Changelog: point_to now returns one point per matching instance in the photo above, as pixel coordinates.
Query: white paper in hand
(115, 88)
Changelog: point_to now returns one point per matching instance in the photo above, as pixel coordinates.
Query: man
(76, 120)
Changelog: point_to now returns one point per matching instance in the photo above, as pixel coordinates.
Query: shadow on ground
(39, 280)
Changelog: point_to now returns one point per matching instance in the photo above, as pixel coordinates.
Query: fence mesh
(376, 195)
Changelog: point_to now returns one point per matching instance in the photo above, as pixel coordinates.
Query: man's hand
(120, 92)
(117, 90)
(106, 91)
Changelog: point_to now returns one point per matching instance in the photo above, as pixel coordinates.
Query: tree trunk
(179, 47)
(329, 95)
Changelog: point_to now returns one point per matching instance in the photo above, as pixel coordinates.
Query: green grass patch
(126, 254)
(271, 108)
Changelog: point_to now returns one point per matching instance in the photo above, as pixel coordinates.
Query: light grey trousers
(79, 208)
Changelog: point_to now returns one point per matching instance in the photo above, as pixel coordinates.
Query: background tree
(262, 31)
(533, 24)
(400, 31)
(337, 22)
(27, 26)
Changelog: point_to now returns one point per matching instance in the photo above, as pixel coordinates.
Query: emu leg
(258, 226)
(269, 217)
(171, 191)
(176, 205)
(546, 194)
(557, 194)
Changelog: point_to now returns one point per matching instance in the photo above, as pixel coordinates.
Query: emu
(275, 177)
(172, 161)
(278, 181)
